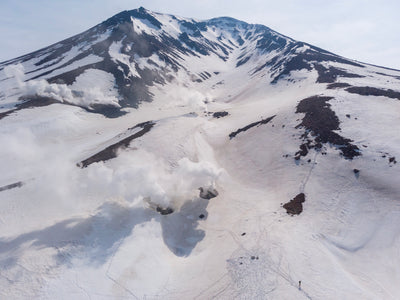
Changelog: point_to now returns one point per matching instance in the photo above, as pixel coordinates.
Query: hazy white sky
(365, 30)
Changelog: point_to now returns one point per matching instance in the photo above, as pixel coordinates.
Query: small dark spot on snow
(201, 216)
(164, 211)
(220, 114)
(244, 233)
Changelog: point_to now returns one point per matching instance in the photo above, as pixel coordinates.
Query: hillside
(161, 157)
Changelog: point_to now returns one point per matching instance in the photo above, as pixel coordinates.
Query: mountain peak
(126, 15)
(140, 49)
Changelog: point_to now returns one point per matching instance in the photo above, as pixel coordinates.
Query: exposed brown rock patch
(295, 206)
(320, 124)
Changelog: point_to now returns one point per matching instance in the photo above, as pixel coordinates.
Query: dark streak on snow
(242, 61)
(11, 186)
(365, 90)
(371, 91)
(337, 85)
(111, 151)
(264, 121)
(387, 75)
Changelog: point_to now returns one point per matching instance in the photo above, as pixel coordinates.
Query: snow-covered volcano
(160, 157)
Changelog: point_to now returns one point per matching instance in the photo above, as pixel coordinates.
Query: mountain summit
(156, 156)
(142, 48)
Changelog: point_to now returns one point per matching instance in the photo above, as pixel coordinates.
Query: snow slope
(136, 96)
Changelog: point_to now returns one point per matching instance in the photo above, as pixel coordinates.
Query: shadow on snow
(95, 239)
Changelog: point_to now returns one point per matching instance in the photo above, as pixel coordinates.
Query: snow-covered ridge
(140, 48)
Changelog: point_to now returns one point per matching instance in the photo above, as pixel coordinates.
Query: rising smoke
(91, 87)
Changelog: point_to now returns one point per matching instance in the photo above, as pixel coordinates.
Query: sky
(363, 30)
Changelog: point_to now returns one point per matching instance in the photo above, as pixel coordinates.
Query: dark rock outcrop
(208, 193)
(243, 129)
(111, 151)
(372, 91)
(320, 124)
(295, 206)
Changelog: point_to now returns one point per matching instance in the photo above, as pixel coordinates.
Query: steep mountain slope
(109, 135)
(140, 51)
